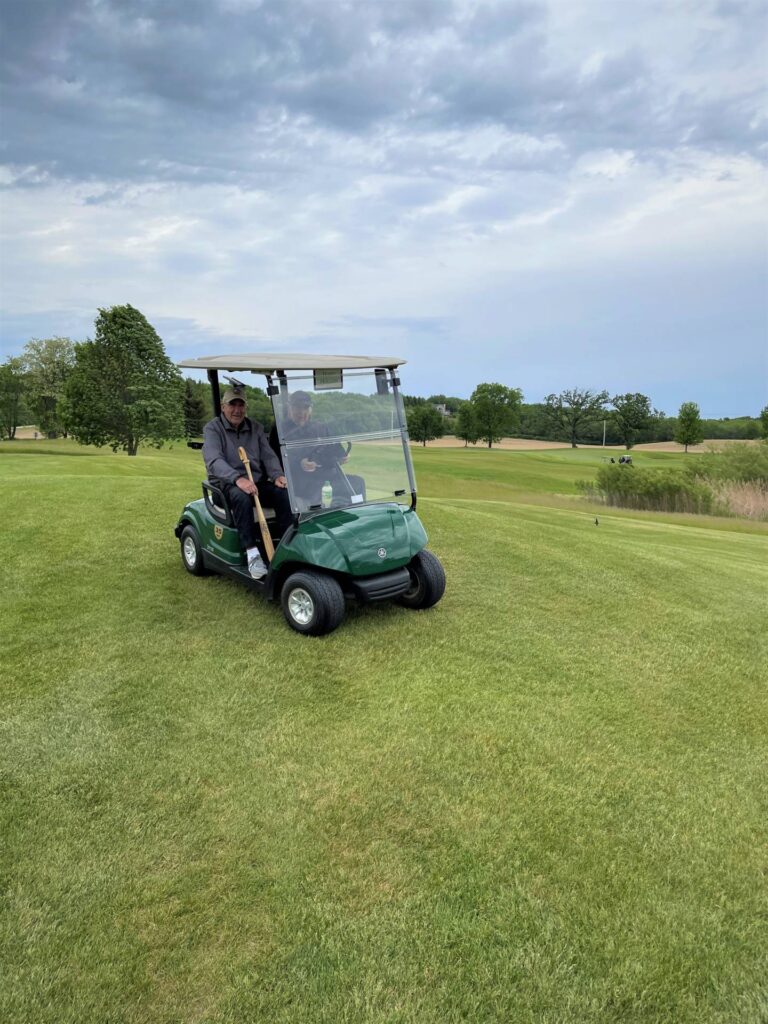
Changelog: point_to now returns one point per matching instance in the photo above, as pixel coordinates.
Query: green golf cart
(355, 533)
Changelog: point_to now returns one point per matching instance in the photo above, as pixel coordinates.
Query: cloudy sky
(546, 194)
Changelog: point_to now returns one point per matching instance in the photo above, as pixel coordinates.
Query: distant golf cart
(355, 534)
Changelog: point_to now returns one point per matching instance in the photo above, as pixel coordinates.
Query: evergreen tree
(194, 410)
(123, 390)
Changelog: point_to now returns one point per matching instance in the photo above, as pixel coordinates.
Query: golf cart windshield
(342, 447)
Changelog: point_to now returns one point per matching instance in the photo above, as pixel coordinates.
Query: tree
(690, 429)
(496, 410)
(48, 363)
(425, 423)
(632, 413)
(195, 415)
(466, 427)
(764, 422)
(12, 381)
(573, 410)
(123, 390)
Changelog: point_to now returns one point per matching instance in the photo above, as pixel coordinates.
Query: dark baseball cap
(300, 398)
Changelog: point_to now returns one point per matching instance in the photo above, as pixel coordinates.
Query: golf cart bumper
(382, 587)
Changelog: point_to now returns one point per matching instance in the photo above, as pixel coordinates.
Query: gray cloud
(217, 91)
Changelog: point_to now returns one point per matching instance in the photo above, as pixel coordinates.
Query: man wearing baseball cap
(319, 462)
(222, 437)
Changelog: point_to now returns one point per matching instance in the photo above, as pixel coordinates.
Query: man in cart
(318, 461)
(222, 437)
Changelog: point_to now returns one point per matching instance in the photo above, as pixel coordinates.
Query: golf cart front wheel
(313, 603)
(427, 581)
(191, 552)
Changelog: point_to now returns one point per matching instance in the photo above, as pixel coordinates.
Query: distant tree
(690, 429)
(573, 410)
(764, 422)
(496, 410)
(48, 362)
(12, 382)
(413, 399)
(466, 426)
(259, 407)
(194, 410)
(124, 390)
(632, 413)
(425, 423)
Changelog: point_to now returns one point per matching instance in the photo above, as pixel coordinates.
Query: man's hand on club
(245, 485)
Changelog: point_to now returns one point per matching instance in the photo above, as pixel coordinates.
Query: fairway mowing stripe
(605, 516)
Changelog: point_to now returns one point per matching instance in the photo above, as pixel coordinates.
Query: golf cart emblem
(218, 532)
(382, 552)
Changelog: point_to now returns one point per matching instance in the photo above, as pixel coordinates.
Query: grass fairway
(542, 801)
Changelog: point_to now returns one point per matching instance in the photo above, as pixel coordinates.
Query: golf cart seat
(218, 506)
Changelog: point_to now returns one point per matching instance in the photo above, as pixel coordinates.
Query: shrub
(738, 463)
(667, 490)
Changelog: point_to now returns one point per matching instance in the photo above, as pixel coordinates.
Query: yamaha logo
(382, 552)
(218, 532)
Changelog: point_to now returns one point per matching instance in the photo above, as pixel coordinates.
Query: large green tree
(425, 423)
(123, 390)
(632, 413)
(12, 383)
(573, 410)
(690, 429)
(764, 422)
(466, 427)
(48, 362)
(496, 411)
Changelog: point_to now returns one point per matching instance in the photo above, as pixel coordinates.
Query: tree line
(575, 415)
(121, 389)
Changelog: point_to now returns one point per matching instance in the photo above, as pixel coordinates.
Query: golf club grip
(257, 510)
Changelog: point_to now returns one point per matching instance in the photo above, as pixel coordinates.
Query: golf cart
(355, 532)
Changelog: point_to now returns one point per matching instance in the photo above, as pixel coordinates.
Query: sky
(557, 194)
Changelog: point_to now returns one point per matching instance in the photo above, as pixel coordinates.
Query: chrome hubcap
(301, 606)
(190, 555)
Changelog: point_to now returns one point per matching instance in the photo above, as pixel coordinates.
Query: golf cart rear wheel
(191, 552)
(313, 603)
(427, 581)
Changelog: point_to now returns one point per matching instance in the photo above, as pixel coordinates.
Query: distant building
(441, 408)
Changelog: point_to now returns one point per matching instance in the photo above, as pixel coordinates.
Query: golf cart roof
(270, 362)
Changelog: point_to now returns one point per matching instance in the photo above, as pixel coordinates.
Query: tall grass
(729, 482)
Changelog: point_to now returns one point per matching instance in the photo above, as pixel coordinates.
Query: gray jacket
(220, 444)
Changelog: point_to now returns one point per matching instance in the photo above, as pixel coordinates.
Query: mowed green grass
(542, 801)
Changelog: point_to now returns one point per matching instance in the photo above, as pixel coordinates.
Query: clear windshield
(342, 447)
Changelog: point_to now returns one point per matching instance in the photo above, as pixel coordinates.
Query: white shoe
(256, 566)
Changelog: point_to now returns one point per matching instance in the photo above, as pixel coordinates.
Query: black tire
(427, 581)
(312, 603)
(191, 552)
